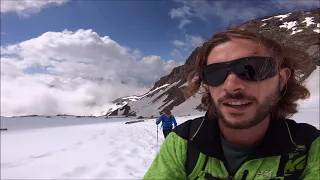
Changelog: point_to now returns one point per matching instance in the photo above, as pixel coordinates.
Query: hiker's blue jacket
(167, 122)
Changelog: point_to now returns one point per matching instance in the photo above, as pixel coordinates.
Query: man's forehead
(235, 49)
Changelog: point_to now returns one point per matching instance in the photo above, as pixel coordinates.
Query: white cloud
(176, 53)
(189, 41)
(183, 48)
(178, 43)
(227, 11)
(137, 54)
(3, 33)
(194, 41)
(297, 3)
(73, 73)
(184, 22)
(181, 12)
(25, 8)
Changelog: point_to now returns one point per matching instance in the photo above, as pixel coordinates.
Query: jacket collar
(276, 141)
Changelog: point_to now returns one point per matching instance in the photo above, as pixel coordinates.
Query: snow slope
(25, 123)
(127, 100)
(151, 105)
(111, 150)
(189, 106)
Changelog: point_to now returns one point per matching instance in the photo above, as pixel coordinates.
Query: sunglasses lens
(255, 68)
(214, 76)
(249, 68)
(247, 72)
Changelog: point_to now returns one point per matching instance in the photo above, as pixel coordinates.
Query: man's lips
(236, 105)
(236, 102)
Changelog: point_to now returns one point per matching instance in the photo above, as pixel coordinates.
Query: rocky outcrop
(179, 73)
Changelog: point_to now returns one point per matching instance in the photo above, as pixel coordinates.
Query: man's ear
(285, 74)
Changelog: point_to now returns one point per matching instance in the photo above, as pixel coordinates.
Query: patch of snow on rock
(267, 19)
(309, 21)
(288, 25)
(281, 17)
(263, 24)
(294, 32)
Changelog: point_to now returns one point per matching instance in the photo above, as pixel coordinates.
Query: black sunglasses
(252, 68)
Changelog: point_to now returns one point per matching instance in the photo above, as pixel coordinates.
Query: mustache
(239, 96)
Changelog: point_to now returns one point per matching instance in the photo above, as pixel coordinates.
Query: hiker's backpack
(193, 155)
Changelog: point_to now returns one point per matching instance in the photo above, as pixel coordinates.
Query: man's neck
(245, 137)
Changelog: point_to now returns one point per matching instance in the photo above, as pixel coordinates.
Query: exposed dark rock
(125, 110)
(114, 113)
(131, 122)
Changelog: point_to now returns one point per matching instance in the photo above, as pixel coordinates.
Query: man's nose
(233, 83)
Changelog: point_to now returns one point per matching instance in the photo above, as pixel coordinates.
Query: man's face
(261, 96)
(168, 115)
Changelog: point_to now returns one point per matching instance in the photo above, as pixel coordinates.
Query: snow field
(112, 150)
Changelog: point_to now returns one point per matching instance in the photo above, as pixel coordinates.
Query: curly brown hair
(298, 62)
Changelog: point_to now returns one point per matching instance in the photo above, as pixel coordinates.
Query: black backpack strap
(292, 165)
(192, 153)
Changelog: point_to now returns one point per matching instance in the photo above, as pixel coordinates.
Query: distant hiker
(251, 85)
(167, 120)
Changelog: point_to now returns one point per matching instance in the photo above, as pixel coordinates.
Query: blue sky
(74, 57)
(143, 25)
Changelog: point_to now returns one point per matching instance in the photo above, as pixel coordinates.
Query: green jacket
(277, 156)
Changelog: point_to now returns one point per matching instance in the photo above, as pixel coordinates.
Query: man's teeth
(238, 103)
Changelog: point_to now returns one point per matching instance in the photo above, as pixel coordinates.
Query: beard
(263, 109)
